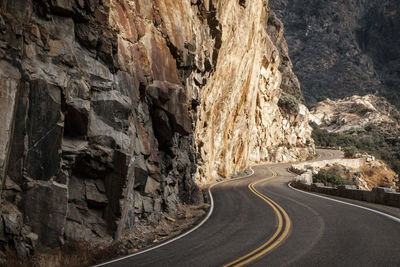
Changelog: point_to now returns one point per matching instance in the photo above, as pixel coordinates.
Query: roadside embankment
(378, 195)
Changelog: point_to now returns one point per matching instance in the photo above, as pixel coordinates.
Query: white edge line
(184, 234)
(350, 204)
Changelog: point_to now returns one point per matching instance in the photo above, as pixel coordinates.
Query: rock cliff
(113, 111)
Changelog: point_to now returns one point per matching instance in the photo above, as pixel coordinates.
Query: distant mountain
(342, 48)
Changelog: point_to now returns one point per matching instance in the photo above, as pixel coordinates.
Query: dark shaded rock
(62, 7)
(78, 232)
(43, 131)
(11, 185)
(12, 219)
(2, 230)
(152, 186)
(140, 179)
(93, 196)
(112, 108)
(162, 127)
(87, 35)
(45, 210)
(76, 190)
(77, 118)
(74, 214)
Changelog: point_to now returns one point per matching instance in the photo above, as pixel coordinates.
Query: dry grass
(379, 176)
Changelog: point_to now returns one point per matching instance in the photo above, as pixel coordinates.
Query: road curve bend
(260, 221)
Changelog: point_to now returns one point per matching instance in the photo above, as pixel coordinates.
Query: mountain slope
(343, 48)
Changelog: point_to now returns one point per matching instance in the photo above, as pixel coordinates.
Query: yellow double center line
(278, 237)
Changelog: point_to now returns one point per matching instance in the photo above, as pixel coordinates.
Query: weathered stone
(140, 178)
(75, 231)
(2, 230)
(44, 208)
(76, 190)
(12, 221)
(113, 108)
(138, 202)
(62, 7)
(148, 203)
(77, 117)
(152, 186)
(11, 185)
(100, 186)
(9, 76)
(93, 196)
(43, 131)
(74, 214)
(21, 248)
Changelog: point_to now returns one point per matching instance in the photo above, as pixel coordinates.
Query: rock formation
(364, 171)
(354, 112)
(343, 48)
(114, 110)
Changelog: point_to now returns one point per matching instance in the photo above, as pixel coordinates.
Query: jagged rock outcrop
(110, 107)
(364, 171)
(240, 118)
(343, 48)
(354, 112)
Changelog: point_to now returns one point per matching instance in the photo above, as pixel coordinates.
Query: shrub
(289, 103)
(381, 141)
(331, 177)
(247, 171)
(350, 151)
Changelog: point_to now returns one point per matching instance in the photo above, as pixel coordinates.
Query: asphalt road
(260, 221)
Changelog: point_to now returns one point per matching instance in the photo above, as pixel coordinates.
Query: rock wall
(240, 119)
(114, 109)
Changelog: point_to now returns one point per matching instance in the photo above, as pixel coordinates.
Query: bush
(381, 141)
(247, 171)
(289, 103)
(330, 177)
(350, 151)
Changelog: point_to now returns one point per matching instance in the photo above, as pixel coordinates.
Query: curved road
(260, 221)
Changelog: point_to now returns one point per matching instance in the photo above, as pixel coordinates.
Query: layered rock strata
(112, 110)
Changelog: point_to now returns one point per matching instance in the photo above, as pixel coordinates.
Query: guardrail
(379, 195)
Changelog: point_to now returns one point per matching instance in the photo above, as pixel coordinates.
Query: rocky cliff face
(114, 110)
(342, 48)
(239, 118)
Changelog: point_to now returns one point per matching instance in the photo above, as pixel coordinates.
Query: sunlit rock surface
(114, 111)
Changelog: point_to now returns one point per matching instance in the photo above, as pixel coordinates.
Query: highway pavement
(260, 221)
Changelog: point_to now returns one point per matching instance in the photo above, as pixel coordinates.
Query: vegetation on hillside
(289, 103)
(331, 177)
(381, 141)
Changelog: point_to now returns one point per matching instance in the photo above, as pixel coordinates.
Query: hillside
(367, 123)
(343, 48)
